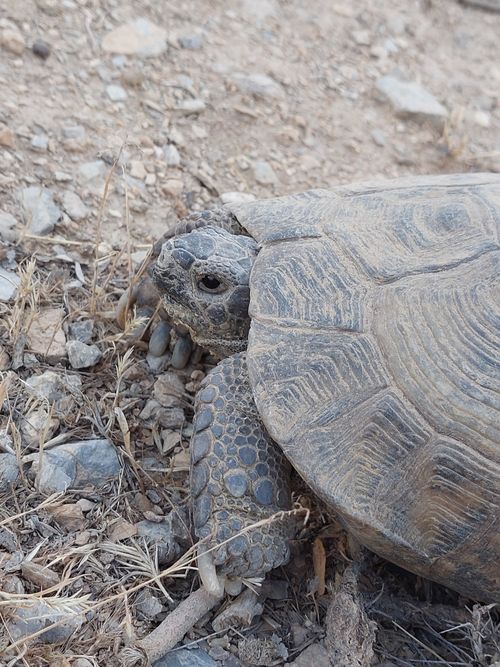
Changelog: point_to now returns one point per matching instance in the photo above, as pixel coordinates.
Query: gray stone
(192, 42)
(140, 37)
(116, 93)
(186, 658)
(78, 465)
(40, 142)
(30, 616)
(54, 387)
(172, 157)
(191, 105)
(315, 654)
(235, 197)
(82, 330)
(9, 282)
(260, 85)
(91, 171)
(264, 173)
(81, 355)
(411, 100)
(9, 471)
(39, 210)
(74, 132)
(170, 536)
(74, 206)
(8, 231)
(147, 604)
(378, 137)
(41, 48)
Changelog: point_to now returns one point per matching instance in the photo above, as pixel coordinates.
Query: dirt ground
(260, 97)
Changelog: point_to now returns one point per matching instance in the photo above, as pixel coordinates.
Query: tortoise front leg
(239, 476)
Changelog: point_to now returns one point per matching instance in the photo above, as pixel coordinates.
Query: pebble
(192, 42)
(12, 40)
(38, 423)
(137, 169)
(9, 282)
(191, 105)
(74, 132)
(172, 157)
(132, 77)
(411, 100)
(7, 138)
(170, 535)
(173, 187)
(82, 662)
(116, 93)
(41, 49)
(81, 355)
(82, 330)
(39, 210)
(77, 465)
(148, 605)
(63, 177)
(264, 173)
(168, 390)
(60, 389)
(186, 658)
(378, 137)
(315, 654)
(31, 615)
(74, 206)
(46, 337)
(260, 85)
(90, 171)
(140, 37)
(40, 142)
(9, 471)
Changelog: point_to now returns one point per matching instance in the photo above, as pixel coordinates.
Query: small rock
(39, 210)
(236, 197)
(92, 171)
(63, 177)
(264, 173)
(9, 471)
(315, 654)
(132, 77)
(137, 169)
(7, 137)
(168, 390)
(172, 157)
(362, 37)
(74, 132)
(173, 187)
(82, 330)
(260, 85)
(60, 389)
(191, 105)
(139, 37)
(9, 282)
(411, 100)
(38, 426)
(116, 93)
(81, 355)
(4, 360)
(170, 535)
(40, 142)
(378, 137)
(68, 516)
(482, 118)
(148, 605)
(186, 658)
(41, 49)
(46, 336)
(31, 616)
(77, 465)
(74, 206)
(82, 662)
(191, 42)
(12, 40)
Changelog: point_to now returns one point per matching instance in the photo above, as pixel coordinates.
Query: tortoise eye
(210, 283)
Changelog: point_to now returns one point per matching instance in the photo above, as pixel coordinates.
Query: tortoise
(358, 330)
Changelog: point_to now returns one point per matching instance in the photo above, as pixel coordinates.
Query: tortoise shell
(374, 361)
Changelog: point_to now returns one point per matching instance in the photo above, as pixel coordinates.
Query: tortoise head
(203, 280)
